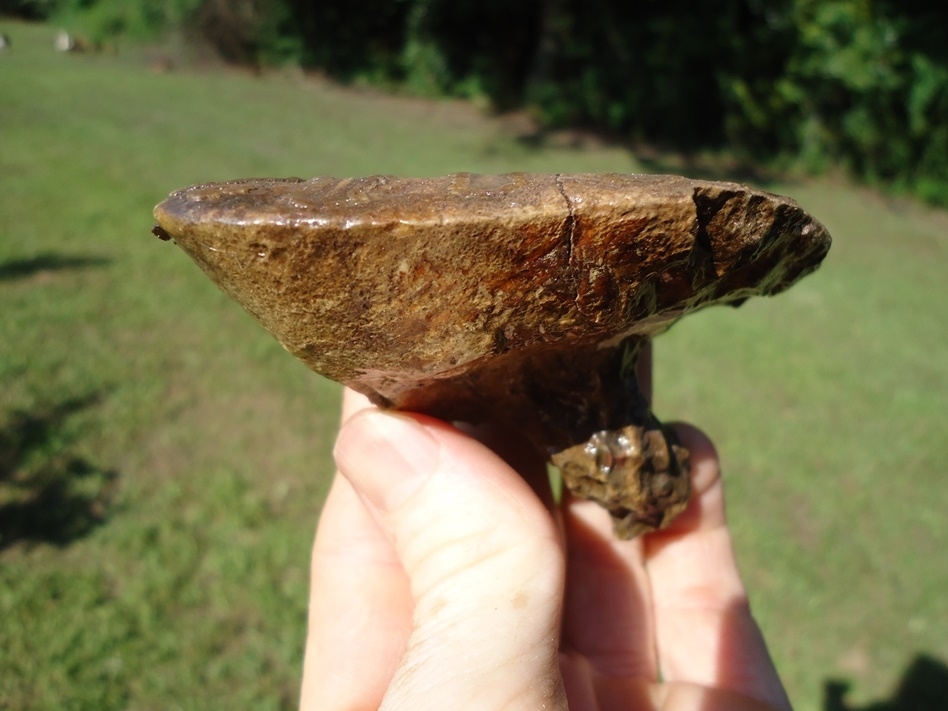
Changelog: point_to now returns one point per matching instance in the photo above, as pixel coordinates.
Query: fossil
(518, 299)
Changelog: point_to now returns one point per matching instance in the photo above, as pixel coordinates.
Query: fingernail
(386, 457)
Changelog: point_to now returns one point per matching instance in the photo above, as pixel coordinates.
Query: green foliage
(28, 9)
(424, 64)
(103, 21)
(856, 84)
(861, 90)
(353, 41)
(249, 33)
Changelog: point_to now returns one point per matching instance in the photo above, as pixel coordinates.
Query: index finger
(360, 604)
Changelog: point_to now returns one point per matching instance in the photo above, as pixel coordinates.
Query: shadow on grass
(23, 268)
(48, 494)
(924, 687)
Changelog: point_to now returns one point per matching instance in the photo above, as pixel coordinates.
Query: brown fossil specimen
(519, 299)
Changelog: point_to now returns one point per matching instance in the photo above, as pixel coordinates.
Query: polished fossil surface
(518, 299)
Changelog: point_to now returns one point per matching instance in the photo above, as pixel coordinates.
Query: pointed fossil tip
(160, 233)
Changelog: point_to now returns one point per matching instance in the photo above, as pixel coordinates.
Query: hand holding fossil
(501, 605)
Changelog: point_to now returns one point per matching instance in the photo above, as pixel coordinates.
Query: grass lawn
(163, 461)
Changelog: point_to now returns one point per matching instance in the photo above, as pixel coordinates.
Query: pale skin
(443, 577)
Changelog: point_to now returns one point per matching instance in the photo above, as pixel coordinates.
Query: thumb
(483, 559)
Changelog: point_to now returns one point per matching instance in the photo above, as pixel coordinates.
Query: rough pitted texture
(519, 299)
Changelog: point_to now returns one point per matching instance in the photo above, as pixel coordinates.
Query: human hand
(440, 579)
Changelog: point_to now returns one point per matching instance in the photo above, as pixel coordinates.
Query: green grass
(163, 461)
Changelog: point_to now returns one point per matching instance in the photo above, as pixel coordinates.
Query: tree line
(857, 84)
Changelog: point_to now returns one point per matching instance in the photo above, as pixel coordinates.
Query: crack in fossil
(570, 221)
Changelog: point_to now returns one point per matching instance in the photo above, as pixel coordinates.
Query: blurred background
(163, 461)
